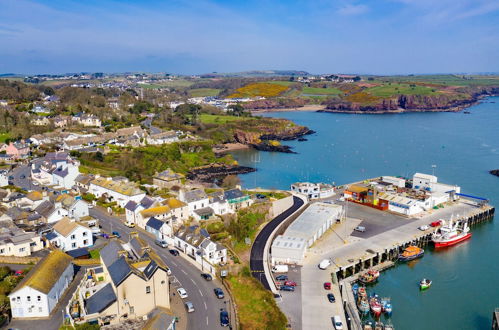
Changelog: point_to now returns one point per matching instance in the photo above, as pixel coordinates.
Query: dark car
(104, 235)
(174, 252)
(282, 277)
(331, 298)
(23, 176)
(219, 293)
(287, 288)
(260, 196)
(116, 234)
(224, 318)
(206, 276)
(327, 285)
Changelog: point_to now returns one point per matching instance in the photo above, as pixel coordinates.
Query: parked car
(174, 252)
(182, 293)
(424, 227)
(324, 264)
(338, 325)
(161, 242)
(327, 285)
(280, 269)
(116, 234)
(331, 298)
(287, 288)
(360, 229)
(436, 223)
(206, 276)
(104, 235)
(168, 271)
(282, 277)
(260, 196)
(35, 183)
(19, 273)
(224, 318)
(189, 306)
(130, 224)
(290, 283)
(219, 293)
(23, 176)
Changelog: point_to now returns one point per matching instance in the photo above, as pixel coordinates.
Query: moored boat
(424, 284)
(362, 292)
(410, 253)
(369, 277)
(363, 305)
(389, 326)
(386, 306)
(378, 326)
(355, 289)
(450, 234)
(375, 306)
(388, 309)
(368, 325)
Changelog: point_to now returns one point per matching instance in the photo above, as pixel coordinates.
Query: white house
(17, 242)
(76, 207)
(38, 293)
(195, 200)
(195, 241)
(119, 191)
(70, 235)
(4, 178)
(132, 208)
(161, 229)
(313, 190)
(65, 175)
(52, 212)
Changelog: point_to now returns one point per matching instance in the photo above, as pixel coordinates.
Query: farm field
(264, 89)
(392, 89)
(200, 92)
(216, 119)
(321, 91)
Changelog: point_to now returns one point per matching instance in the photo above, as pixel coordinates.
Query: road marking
(205, 306)
(173, 262)
(200, 293)
(207, 320)
(183, 271)
(193, 282)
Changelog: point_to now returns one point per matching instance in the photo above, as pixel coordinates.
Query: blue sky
(335, 36)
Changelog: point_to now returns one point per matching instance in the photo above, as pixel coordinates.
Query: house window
(28, 298)
(40, 309)
(148, 289)
(132, 310)
(73, 236)
(2, 250)
(22, 249)
(163, 282)
(85, 241)
(32, 244)
(73, 245)
(39, 298)
(85, 233)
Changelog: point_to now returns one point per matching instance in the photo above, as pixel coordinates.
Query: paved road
(184, 274)
(256, 258)
(22, 179)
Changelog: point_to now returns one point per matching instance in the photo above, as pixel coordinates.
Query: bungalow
(162, 138)
(16, 242)
(237, 199)
(119, 191)
(70, 235)
(17, 150)
(167, 179)
(38, 293)
(40, 121)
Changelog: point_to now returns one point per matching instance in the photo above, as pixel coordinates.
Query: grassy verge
(256, 306)
(216, 119)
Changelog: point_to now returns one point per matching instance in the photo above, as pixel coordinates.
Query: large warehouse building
(303, 232)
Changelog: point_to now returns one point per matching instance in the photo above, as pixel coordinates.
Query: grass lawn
(200, 92)
(95, 254)
(97, 169)
(397, 89)
(256, 306)
(4, 136)
(321, 91)
(218, 119)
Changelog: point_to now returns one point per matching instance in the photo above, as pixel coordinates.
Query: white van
(280, 269)
(325, 264)
(337, 322)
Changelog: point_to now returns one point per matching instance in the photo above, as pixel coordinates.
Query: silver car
(189, 306)
(161, 243)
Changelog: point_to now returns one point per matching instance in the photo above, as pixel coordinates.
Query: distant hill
(10, 75)
(257, 73)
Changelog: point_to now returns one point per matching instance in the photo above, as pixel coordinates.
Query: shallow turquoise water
(464, 147)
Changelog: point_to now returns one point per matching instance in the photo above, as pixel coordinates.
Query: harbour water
(464, 147)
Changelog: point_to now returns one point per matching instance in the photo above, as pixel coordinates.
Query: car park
(174, 252)
(282, 277)
(331, 297)
(219, 293)
(224, 318)
(360, 229)
(327, 285)
(182, 293)
(290, 283)
(189, 306)
(162, 243)
(207, 276)
(287, 288)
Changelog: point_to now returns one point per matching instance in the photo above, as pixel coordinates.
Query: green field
(397, 89)
(282, 83)
(321, 91)
(445, 79)
(200, 92)
(4, 136)
(181, 83)
(217, 119)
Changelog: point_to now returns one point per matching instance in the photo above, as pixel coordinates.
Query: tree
(99, 156)
(230, 181)
(48, 91)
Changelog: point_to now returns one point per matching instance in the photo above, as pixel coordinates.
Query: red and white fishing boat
(450, 234)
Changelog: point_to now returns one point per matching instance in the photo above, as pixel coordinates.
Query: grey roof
(161, 321)
(233, 194)
(61, 172)
(147, 202)
(109, 253)
(76, 253)
(136, 246)
(150, 269)
(131, 206)
(101, 300)
(155, 223)
(45, 208)
(204, 211)
(50, 236)
(194, 195)
(119, 271)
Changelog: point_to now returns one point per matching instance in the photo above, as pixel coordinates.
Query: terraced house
(119, 191)
(38, 293)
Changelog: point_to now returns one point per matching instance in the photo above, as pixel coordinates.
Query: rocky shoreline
(216, 172)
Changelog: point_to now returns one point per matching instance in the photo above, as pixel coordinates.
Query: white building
(70, 235)
(38, 293)
(119, 191)
(16, 242)
(304, 231)
(195, 200)
(195, 242)
(397, 182)
(313, 190)
(423, 181)
(52, 212)
(4, 178)
(76, 207)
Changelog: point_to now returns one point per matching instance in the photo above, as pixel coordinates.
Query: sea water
(458, 148)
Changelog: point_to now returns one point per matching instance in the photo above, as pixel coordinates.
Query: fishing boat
(389, 326)
(362, 292)
(375, 306)
(424, 284)
(355, 289)
(386, 306)
(450, 234)
(379, 326)
(410, 253)
(363, 305)
(388, 309)
(368, 325)
(369, 277)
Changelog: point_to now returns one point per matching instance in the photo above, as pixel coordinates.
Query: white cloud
(351, 10)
